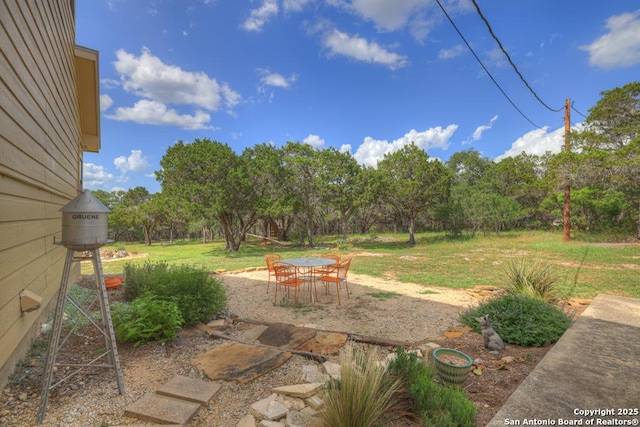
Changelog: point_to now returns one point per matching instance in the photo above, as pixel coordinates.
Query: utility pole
(567, 183)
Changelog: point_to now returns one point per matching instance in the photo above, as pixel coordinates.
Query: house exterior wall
(40, 161)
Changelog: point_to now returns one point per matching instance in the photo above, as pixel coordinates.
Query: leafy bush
(139, 278)
(363, 396)
(532, 280)
(521, 320)
(436, 405)
(344, 245)
(146, 319)
(198, 296)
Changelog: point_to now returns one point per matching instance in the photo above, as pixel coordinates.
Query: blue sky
(364, 76)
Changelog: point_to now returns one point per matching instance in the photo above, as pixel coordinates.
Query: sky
(363, 76)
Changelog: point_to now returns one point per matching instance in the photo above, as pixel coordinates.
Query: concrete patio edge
(591, 376)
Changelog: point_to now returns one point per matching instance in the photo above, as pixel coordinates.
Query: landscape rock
(289, 402)
(247, 421)
(332, 369)
(269, 409)
(299, 390)
(314, 402)
(295, 419)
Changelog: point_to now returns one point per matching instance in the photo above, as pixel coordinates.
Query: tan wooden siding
(40, 159)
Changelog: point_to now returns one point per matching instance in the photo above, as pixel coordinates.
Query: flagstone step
(175, 403)
(160, 409)
(192, 390)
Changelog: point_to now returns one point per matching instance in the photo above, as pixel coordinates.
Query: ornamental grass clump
(531, 279)
(432, 403)
(364, 396)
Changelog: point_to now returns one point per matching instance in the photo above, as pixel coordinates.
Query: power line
(510, 61)
(574, 109)
(483, 66)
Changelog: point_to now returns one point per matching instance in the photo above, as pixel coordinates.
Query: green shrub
(363, 396)
(521, 320)
(138, 278)
(344, 245)
(199, 296)
(533, 280)
(436, 405)
(146, 319)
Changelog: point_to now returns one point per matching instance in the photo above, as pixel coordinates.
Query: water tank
(84, 223)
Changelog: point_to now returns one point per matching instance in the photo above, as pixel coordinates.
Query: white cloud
(105, 102)
(261, 16)
(275, 79)
(162, 85)
(373, 150)
(536, 142)
(109, 83)
(123, 178)
(620, 46)
(314, 140)
(134, 163)
(477, 134)
(389, 15)
(496, 58)
(294, 5)
(148, 77)
(455, 51)
(358, 48)
(419, 16)
(155, 113)
(95, 176)
(345, 148)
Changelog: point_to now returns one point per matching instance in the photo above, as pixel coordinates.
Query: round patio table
(306, 265)
(309, 262)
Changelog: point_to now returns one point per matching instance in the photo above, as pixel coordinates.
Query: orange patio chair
(271, 259)
(339, 277)
(328, 269)
(287, 277)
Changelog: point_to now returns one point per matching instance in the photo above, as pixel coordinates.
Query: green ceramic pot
(452, 366)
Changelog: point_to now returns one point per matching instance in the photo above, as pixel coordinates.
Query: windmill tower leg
(104, 325)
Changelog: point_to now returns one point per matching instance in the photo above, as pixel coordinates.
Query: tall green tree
(339, 184)
(370, 200)
(274, 202)
(469, 171)
(415, 185)
(301, 163)
(607, 157)
(468, 167)
(521, 178)
(211, 180)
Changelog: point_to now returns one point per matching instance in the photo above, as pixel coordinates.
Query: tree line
(301, 192)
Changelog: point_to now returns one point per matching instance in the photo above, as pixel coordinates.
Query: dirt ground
(382, 309)
(416, 315)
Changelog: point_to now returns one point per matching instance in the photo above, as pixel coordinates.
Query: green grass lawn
(584, 268)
